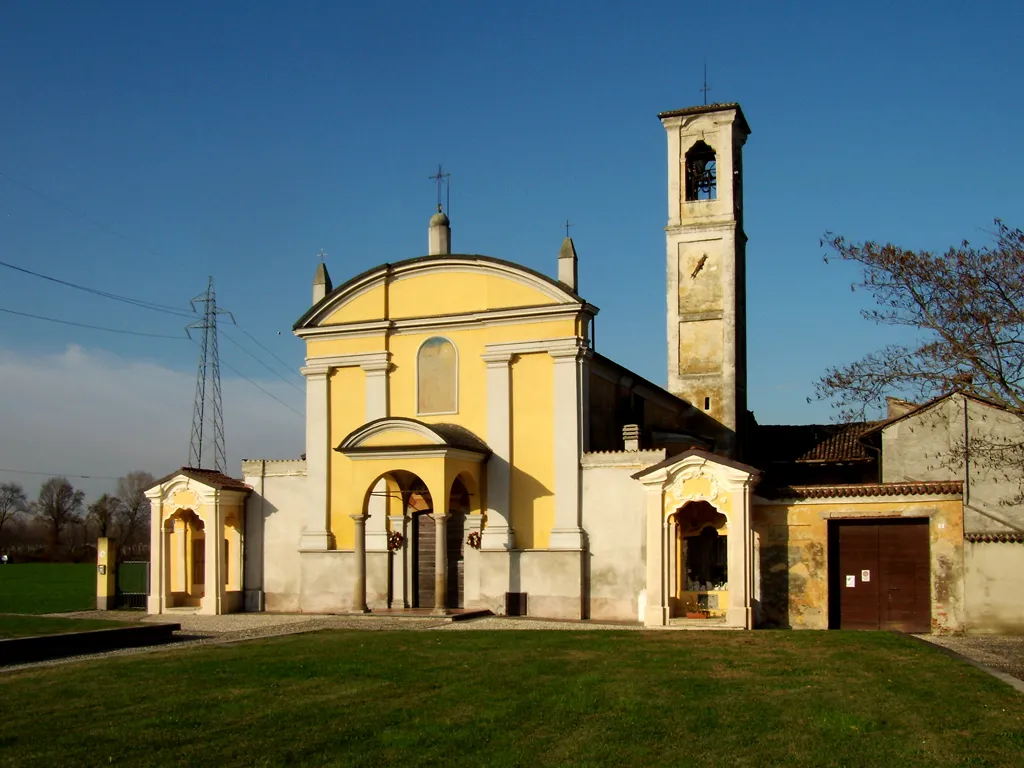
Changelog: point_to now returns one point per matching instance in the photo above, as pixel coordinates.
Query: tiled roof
(208, 477)
(937, 488)
(784, 443)
(993, 538)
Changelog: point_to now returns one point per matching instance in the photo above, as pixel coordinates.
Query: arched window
(700, 173)
(437, 377)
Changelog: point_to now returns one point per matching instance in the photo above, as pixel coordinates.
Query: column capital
(497, 359)
(439, 517)
(360, 518)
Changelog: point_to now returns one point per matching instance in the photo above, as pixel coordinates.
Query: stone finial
(567, 269)
(631, 437)
(439, 238)
(321, 283)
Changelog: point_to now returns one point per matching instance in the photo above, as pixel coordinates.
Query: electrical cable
(93, 327)
(58, 474)
(250, 354)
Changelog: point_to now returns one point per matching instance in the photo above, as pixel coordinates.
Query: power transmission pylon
(208, 353)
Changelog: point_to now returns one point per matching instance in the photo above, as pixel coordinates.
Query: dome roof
(439, 220)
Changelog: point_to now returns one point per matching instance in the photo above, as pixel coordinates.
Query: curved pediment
(436, 285)
(404, 434)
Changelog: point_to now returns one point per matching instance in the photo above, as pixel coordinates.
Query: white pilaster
(655, 614)
(316, 528)
(498, 534)
(740, 613)
(568, 429)
(674, 163)
(156, 602)
(377, 387)
(213, 599)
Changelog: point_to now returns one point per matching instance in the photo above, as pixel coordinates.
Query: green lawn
(47, 587)
(519, 698)
(17, 625)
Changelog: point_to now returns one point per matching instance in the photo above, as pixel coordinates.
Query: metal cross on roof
(567, 225)
(706, 87)
(443, 183)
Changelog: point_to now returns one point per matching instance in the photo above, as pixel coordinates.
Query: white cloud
(90, 412)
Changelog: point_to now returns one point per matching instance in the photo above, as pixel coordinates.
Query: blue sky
(172, 141)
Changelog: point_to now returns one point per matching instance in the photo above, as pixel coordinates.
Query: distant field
(47, 587)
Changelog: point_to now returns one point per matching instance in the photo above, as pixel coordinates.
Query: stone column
(441, 565)
(399, 579)
(359, 580)
(316, 529)
(568, 426)
(499, 534)
(670, 543)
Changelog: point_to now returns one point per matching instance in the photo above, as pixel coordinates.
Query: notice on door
(865, 575)
(851, 580)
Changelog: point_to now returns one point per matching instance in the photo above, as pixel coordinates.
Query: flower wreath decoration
(474, 539)
(395, 541)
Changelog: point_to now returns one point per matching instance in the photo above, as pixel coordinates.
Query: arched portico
(423, 482)
(689, 494)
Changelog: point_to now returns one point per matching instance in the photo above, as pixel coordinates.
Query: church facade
(466, 448)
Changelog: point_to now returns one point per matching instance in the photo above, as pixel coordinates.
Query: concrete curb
(23, 650)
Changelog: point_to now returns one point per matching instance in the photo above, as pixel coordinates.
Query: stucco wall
(273, 525)
(994, 583)
(791, 556)
(920, 447)
(614, 517)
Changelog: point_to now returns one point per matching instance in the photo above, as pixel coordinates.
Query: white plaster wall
(614, 515)
(327, 582)
(553, 580)
(274, 516)
(378, 579)
(994, 585)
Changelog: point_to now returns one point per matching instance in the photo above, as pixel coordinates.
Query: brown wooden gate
(424, 554)
(880, 575)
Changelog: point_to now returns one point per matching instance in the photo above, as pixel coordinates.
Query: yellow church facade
(468, 449)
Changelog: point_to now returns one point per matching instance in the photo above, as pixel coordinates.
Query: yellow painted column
(106, 574)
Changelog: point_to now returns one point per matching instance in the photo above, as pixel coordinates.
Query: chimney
(321, 283)
(567, 265)
(631, 437)
(439, 240)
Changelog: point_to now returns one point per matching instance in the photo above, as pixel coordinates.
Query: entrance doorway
(879, 575)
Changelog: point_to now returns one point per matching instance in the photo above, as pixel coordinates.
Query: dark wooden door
(858, 555)
(424, 556)
(884, 576)
(904, 582)
(455, 530)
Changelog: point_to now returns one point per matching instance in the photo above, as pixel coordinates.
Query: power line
(250, 354)
(93, 327)
(261, 389)
(288, 366)
(79, 214)
(105, 294)
(58, 474)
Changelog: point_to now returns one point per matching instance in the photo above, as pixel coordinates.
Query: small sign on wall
(865, 576)
(851, 580)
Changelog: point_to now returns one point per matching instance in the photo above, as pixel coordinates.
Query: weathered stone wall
(791, 556)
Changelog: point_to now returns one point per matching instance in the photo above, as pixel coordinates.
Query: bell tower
(706, 249)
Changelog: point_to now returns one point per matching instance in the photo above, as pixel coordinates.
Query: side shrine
(466, 448)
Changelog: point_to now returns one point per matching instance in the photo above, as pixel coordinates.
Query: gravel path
(1003, 653)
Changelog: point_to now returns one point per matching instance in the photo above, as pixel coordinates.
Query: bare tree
(12, 502)
(104, 513)
(965, 310)
(133, 513)
(58, 504)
